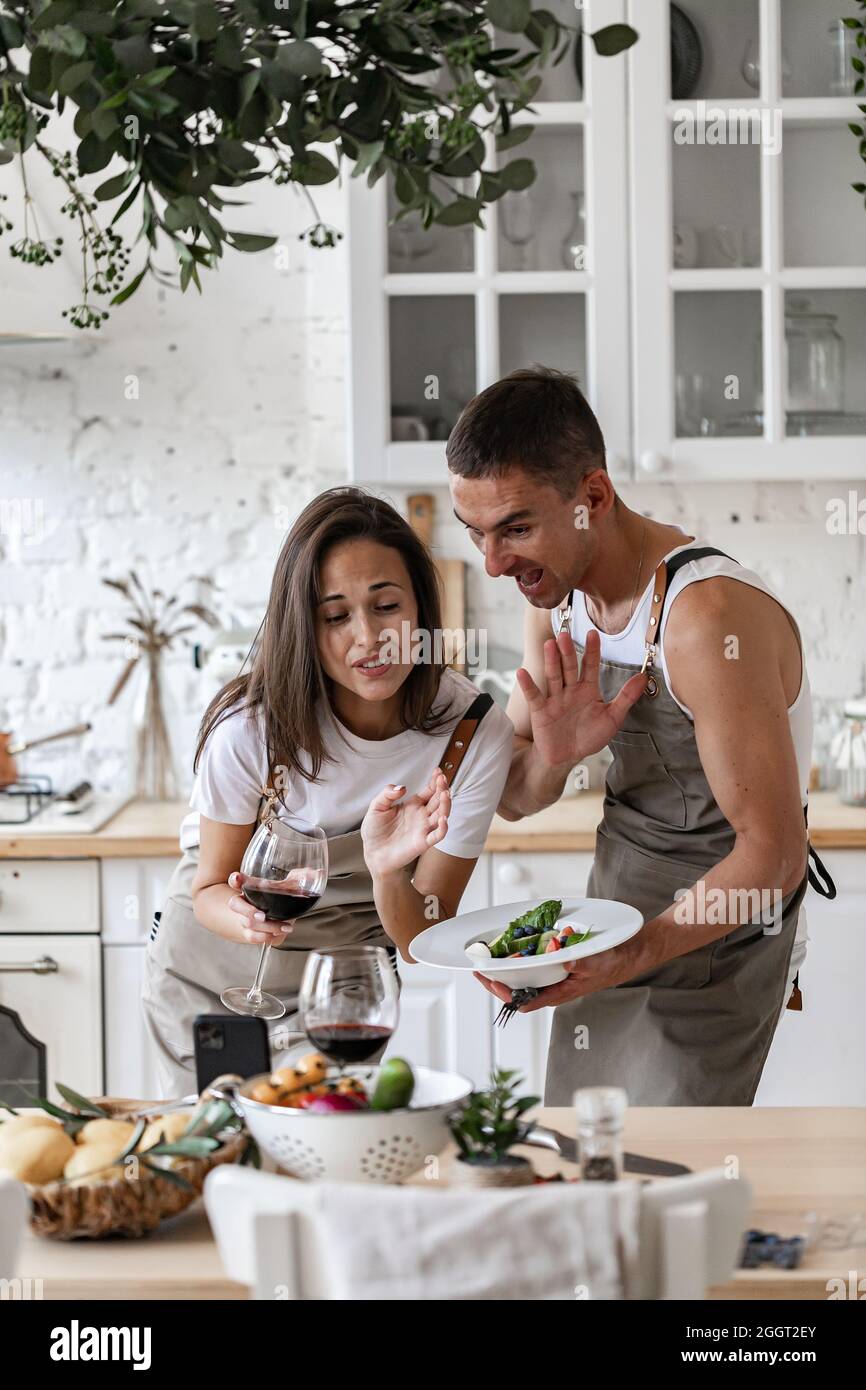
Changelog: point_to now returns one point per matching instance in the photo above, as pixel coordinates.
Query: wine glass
(285, 869)
(349, 1002)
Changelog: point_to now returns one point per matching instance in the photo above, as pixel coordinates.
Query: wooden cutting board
(452, 573)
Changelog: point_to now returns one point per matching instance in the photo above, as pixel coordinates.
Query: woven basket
(119, 1206)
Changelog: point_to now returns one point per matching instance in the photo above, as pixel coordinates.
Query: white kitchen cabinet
(768, 233)
(436, 316)
(132, 890)
(130, 1064)
(53, 895)
(818, 1056)
(716, 276)
(51, 1015)
(50, 978)
(445, 1018)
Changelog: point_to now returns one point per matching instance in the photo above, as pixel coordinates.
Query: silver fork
(518, 998)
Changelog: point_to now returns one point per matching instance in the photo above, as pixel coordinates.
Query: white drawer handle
(511, 873)
(45, 965)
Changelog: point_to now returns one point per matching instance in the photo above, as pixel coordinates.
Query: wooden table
(796, 1159)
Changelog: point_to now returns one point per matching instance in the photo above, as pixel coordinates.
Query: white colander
(359, 1145)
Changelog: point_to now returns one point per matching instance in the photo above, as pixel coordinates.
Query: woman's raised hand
(395, 832)
(573, 720)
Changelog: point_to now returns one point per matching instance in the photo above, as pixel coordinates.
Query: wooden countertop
(149, 830)
(571, 825)
(142, 830)
(797, 1159)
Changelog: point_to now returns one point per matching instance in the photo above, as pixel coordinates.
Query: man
(694, 674)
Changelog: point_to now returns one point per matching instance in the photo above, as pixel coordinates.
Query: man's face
(526, 531)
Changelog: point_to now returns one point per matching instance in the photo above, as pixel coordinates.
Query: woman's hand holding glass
(285, 871)
(257, 928)
(395, 832)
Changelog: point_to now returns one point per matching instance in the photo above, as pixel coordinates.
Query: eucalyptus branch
(188, 94)
(858, 64)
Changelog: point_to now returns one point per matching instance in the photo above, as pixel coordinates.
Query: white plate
(444, 944)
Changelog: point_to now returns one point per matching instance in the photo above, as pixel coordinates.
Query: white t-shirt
(233, 767)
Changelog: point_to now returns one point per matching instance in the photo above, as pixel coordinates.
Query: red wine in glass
(285, 873)
(348, 1043)
(278, 899)
(349, 1002)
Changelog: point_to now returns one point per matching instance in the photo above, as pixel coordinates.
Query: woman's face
(367, 598)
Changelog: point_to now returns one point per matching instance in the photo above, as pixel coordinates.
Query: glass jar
(600, 1118)
(842, 45)
(816, 358)
(848, 752)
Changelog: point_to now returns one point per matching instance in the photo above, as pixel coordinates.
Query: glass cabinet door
(437, 315)
(749, 261)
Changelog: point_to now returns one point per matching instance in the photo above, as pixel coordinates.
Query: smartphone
(227, 1043)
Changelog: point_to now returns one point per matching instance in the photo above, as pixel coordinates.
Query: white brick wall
(240, 411)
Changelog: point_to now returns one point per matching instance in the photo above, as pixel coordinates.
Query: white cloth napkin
(557, 1241)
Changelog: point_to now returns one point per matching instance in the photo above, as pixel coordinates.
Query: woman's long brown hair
(286, 679)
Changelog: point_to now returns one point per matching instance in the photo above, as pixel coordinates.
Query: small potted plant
(485, 1127)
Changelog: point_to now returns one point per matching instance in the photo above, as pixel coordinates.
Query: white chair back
(267, 1229)
(14, 1211)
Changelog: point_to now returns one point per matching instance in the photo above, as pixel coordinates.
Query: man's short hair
(537, 419)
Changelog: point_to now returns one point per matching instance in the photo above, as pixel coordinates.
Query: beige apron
(697, 1030)
(187, 966)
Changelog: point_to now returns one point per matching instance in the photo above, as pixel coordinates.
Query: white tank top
(627, 647)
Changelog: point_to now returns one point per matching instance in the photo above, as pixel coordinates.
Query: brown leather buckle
(660, 586)
(457, 746)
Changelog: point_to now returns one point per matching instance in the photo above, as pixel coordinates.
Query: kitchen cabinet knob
(652, 462)
(511, 873)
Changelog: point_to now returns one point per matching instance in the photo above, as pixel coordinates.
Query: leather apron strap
(665, 572)
(463, 735)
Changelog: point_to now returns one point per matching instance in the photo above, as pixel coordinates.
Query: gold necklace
(636, 583)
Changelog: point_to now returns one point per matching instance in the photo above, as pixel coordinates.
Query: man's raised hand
(573, 720)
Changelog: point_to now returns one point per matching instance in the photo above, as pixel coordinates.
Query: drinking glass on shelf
(737, 246)
(284, 873)
(691, 395)
(751, 64)
(843, 48)
(518, 223)
(349, 1002)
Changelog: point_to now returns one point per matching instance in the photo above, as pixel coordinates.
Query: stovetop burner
(24, 799)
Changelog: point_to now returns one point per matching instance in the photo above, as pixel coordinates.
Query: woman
(349, 730)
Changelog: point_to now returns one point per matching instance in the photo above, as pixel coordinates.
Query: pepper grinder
(600, 1118)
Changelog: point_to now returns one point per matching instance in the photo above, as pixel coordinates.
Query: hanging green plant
(186, 101)
(858, 64)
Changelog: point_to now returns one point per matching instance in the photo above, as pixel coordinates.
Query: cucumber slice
(543, 940)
